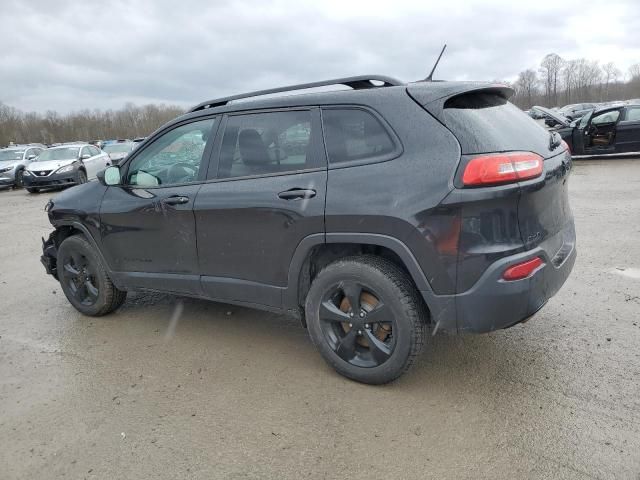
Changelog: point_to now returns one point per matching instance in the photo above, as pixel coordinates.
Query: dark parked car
(606, 130)
(571, 112)
(371, 214)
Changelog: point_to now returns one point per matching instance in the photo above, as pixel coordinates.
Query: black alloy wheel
(357, 325)
(80, 277)
(85, 280)
(366, 318)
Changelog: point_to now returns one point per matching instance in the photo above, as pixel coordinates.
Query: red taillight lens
(522, 270)
(502, 168)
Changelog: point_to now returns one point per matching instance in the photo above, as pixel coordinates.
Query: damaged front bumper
(50, 255)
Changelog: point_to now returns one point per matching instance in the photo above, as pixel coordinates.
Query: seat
(253, 152)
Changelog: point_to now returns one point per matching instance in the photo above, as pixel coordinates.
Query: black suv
(371, 214)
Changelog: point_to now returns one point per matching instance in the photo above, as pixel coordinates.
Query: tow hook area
(49, 255)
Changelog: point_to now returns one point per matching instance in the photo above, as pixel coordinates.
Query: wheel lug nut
(351, 314)
(361, 315)
(366, 325)
(350, 325)
(359, 332)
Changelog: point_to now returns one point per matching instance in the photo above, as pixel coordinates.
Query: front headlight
(26, 172)
(66, 168)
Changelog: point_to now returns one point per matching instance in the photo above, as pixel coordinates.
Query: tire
(33, 190)
(19, 180)
(377, 341)
(84, 280)
(81, 177)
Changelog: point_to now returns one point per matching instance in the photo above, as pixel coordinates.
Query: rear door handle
(176, 200)
(297, 194)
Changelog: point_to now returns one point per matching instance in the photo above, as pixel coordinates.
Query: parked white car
(65, 165)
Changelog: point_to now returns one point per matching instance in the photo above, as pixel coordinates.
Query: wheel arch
(316, 251)
(67, 229)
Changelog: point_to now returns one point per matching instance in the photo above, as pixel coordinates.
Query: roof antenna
(430, 77)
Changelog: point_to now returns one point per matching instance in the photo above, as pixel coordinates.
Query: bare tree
(550, 68)
(611, 74)
(527, 85)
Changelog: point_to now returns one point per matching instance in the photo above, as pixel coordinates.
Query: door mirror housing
(31, 157)
(85, 156)
(110, 176)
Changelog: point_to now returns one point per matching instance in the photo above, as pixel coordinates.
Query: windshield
(67, 153)
(585, 119)
(118, 147)
(10, 155)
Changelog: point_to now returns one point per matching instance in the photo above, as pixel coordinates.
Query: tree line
(557, 82)
(131, 121)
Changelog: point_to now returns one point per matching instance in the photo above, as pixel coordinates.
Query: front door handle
(297, 194)
(176, 200)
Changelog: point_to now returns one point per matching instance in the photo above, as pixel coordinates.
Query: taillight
(498, 168)
(522, 270)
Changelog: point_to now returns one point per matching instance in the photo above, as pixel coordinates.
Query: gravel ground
(235, 393)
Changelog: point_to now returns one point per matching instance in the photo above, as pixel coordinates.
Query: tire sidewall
(82, 177)
(79, 244)
(384, 289)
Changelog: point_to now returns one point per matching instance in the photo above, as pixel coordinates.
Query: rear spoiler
(433, 95)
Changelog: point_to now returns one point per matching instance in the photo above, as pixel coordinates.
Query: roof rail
(357, 83)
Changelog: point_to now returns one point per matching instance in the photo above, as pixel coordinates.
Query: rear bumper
(493, 303)
(53, 180)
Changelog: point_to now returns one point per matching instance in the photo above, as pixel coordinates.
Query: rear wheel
(84, 279)
(365, 317)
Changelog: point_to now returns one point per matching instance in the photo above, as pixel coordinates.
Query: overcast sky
(68, 55)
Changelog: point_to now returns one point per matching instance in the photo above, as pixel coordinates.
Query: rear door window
(353, 134)
(486, 122)
(267, 143)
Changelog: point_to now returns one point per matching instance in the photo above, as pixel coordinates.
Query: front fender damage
(50, 254)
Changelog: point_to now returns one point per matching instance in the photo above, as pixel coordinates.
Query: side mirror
(110, 176)
(85, 156)
(31, 157)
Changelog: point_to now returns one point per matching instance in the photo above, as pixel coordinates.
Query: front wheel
(81, 177)
(84, 278)
(19, 180)
(366, 319)
(32, 190)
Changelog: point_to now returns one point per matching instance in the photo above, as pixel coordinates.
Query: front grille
(42, 173)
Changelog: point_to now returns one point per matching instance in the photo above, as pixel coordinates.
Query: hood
(49, 165)
(8, 163)
(557, 116)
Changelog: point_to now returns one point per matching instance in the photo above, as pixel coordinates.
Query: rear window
(486, 122)
(352, 134)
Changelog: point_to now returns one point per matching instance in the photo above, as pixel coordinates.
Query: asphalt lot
(227, 392)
